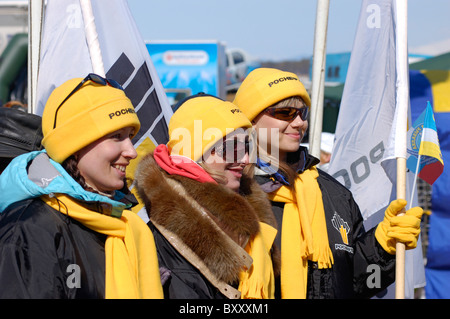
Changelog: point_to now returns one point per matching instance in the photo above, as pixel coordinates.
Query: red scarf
(180, 165)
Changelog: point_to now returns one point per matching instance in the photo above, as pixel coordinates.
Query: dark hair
(71, 167)
(288, 172)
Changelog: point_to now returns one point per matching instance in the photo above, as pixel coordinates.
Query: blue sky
(277, 30)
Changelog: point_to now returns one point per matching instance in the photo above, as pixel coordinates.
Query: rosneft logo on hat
(124, 111)
(283, 79)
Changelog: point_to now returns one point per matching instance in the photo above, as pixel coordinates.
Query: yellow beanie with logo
(200, 122)
(264, 87)
(92, 112)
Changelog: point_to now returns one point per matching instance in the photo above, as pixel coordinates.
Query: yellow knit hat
(200, 122)
(90, 113)
(264, 87)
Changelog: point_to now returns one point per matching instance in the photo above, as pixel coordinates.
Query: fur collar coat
(207, 223)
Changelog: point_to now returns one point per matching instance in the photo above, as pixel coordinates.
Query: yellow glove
(393, 228)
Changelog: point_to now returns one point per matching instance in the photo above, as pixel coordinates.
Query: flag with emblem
(424, 153)
(365, 150)
(80, 37)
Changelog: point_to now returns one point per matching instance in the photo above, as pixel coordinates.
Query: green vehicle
(13, 70)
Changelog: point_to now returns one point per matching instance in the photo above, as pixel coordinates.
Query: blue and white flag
(67, 41)
(364, 152)
(424, 153)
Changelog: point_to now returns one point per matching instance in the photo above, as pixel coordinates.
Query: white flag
(367, 125)
(65, 55)
(121, 55)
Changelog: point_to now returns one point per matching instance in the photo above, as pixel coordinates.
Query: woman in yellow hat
(64, 231)
(325, 251)
(213, 225)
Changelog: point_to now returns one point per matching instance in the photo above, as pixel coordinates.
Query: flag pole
(415, 181)
(35, 12)
(401, 133)
(400, 247)
(92, 38)
(318, 76)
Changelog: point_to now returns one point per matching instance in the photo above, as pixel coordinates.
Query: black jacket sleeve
(29, 268)
(47, 255)
(372, 268)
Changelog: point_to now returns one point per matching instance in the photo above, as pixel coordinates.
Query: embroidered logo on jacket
(341, 226)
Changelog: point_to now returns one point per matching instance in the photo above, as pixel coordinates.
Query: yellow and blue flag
(424, 153)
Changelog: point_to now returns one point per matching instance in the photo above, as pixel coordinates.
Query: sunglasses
(90, 77)
(233, 147)
(287, 113)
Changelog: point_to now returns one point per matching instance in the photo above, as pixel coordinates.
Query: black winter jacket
(47, 255)
(348, 278)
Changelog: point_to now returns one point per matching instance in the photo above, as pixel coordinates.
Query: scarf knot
(180, 165)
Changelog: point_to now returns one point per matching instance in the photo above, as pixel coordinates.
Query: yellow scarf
(131, 265)
(304, 236)
(258, 282)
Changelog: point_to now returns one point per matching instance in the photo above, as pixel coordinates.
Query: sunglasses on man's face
(90, 77)
(287, 113)
(233, 150)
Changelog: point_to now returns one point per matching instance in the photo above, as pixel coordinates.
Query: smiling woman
(64, 203)
(103, 163)
(227, 159)
(212, 224)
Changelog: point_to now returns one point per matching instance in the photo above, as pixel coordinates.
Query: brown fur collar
(187, 208)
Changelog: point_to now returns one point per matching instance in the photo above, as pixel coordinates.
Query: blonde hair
(294, 101)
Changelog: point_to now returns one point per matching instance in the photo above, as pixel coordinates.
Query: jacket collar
(300, 160)
(34, 174)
